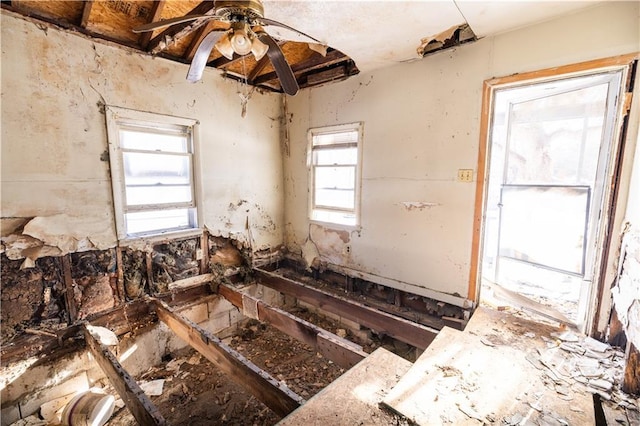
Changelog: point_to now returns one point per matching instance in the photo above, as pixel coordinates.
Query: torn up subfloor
(168, 339)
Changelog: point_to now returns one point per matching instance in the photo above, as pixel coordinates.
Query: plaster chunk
(72, 234)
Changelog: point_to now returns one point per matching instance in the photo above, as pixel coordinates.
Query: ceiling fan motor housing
(240, 10)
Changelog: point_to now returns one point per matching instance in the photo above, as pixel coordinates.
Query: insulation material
(94, 280)
(174, 261)
(31, 297)
(135, 279)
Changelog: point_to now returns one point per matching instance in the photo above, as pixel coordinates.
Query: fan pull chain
(244, 94)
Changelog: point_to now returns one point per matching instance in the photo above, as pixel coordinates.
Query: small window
(335, 174)
(152, 172)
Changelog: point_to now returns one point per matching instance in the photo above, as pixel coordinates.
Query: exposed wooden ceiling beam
(317, 61)
(86, 12)
(177, 31)
(156, 12)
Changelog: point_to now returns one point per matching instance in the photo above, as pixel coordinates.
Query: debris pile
(575, 363)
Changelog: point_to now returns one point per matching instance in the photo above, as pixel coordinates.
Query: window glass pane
(335, 198)
(336, 156)
(132, 139)
(141, 195)
(551, 138)
(335, 177)
(152, 169)
(335, 138)
(158, 220)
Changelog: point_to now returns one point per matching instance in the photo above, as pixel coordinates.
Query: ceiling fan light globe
(241, 42)
(224, 47)
(258, 48)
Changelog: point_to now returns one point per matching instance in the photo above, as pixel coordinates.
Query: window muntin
(335, 174)
(152, 172)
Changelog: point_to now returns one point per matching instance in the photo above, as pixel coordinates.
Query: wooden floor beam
(404, 330)
(132, 395)
(344, 353)
(275, 395)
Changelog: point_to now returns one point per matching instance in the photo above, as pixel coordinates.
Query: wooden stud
(275, 395)
(149, 268)
(204, 247)
(120, 271)
(86, 13)
(145, 37)
(631, 383)
(407, 331)
(69, 295)
(132, 395)
(191, 281)
(341, 351)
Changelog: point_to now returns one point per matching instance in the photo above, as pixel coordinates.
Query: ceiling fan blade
(266, 21)
(167, 22)
(201, 56)
(283, 70)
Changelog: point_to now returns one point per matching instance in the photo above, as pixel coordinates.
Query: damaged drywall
(331, 243)
(626, 292)
(55, 235)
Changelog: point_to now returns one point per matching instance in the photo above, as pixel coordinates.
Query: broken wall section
(56, 291)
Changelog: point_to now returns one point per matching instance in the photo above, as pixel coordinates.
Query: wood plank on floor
(484, 374)
(354, 397)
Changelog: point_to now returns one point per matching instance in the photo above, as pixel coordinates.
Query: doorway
(551, 146)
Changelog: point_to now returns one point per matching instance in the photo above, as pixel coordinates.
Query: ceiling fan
(245, 35)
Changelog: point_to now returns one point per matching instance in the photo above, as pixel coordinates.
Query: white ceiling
(376, 34)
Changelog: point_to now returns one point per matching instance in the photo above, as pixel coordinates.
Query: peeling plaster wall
(54, 138)
(421, 124)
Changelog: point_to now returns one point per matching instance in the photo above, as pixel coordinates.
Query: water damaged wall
(59, 245)
(421, 125)
(55, 291)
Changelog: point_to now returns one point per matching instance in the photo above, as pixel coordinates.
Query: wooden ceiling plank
(145, 38)
(175, 32)
(86, 12)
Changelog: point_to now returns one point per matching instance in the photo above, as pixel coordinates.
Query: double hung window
(335, 173)
(152, 159)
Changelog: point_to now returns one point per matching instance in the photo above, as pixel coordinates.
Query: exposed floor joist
(341, 351)
(404, 330)
(275, 395)
(132, 395)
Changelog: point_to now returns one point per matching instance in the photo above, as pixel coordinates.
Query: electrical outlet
(465, 175)
(347, 249)
(199, 254)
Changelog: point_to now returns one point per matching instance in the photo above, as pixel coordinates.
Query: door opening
(550, 150)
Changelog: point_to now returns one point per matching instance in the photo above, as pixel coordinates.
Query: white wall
(54, 133)
(421, 124)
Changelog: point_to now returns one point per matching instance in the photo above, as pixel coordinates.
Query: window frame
(127, 119)
(313, 207)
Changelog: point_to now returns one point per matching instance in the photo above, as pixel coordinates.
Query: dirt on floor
(195, 392)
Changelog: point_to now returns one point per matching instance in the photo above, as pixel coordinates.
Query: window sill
(156, 238)
(336, 226)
